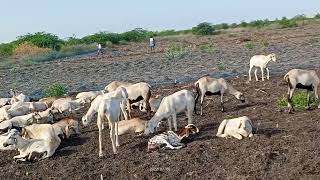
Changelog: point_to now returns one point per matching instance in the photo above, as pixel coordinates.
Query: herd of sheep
(36, 128)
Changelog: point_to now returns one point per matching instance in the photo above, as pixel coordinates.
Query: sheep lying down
(237, 127)
(170, 139)
(3, 138)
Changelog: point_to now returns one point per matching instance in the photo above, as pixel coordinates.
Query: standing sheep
(261, 61)
(207, 86)
(302, 79)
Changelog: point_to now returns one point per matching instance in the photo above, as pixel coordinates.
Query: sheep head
(272, 57)
(240, 96)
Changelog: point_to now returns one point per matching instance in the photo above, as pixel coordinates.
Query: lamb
(4, 101)
(181, 101)
(89, 96)
(18, 98)
(135, 125)
(25, 120)
(237, 127)
(29, 149)
(115, 84)
(120, 93)
(261, 61)
(110, 109)
(22, 108)
(154, 104)
(137, 92)
(207, 86)
(302, 79)
(170, 139)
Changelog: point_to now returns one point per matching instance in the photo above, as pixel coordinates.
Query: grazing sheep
(261, 61)
(137, 92)
(119, 93)
(154, 104)
(207, 86)
(135, 125)
(89, 96)
(170, 139)
(25, 120)
(23, 108)
(109, 109)
(237, 127)
(302, 79)
(30, 149)
(181, 101)
(115, 84)
(4, 101)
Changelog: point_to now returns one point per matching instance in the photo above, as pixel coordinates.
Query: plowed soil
(285, 146)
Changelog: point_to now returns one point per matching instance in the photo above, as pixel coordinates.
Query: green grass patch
(299, 101)
(249, 45)
(207, 48)
(177, 51)
(55, 90)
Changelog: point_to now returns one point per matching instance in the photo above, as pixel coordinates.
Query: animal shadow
(268, 132)
(74, 141)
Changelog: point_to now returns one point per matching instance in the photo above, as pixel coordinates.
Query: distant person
(99, 49)
(152, 43)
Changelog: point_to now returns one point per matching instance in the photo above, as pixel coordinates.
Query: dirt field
(285, 146)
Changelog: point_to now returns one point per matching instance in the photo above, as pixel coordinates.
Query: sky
(67, 18)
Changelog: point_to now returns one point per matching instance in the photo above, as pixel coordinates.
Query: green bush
(6, 50)
(317, 16)
(203, 29)
(55, 90)
(299, 101)
(42, 40)
(287, 23)
(249, 45)
(176, 51)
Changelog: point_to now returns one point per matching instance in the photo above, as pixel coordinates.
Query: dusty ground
(284, 146)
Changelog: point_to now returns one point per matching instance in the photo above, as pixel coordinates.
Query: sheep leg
(201, 104)
(268, 73)
(117, 135)
(315, 89)
(129, 108)
(168, 145)
(236, 135)
(308, 99)
(262, 73)
(100, 127)
(189, 115)
(290, 93)
(195, 103)
(250, 73)
(112, 137)
(174, 121)
(221, 100)
(169, 124)
(255, 74)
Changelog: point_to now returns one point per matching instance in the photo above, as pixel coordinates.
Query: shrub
(286, 23)
(6, 50)
(203, 29)
(27, 49)
(55, 90)
(207, 48)
(243, 24)
(249, 45)
(299, 101)
(176, 51)
(42, 40)
(317, 16)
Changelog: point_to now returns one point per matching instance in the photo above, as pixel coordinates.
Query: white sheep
(3, 138)
(30, 149)
(261, 61)
(237, 127)
(138, 92)
(22, 108)
(109, 109)
(119, 93)
(89, 95)
(154, 104)
(171, 139)
(25, 120)
(4, 115)
(302, 79)
(207, 86)
(115, 84)
(67, 127)
(49, 100)
(18, 97)
(68, 105)
(181, 101)
(135, 125)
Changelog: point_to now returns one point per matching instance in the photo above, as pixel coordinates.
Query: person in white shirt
(99, 48)
(152, 43)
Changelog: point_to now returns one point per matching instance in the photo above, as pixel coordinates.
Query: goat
(25, 120)
(302, 79)
(170, 139)
(135, 125)
(89, 96)
(261, 61)
(22, 108)
(115, 84)
(137, 92)
(170, 106)
(207, 86)
(30, 148)
(4, 101)
(120, 93)
(237, 127)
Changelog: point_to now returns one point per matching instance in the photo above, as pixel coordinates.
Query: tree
(203, 29)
